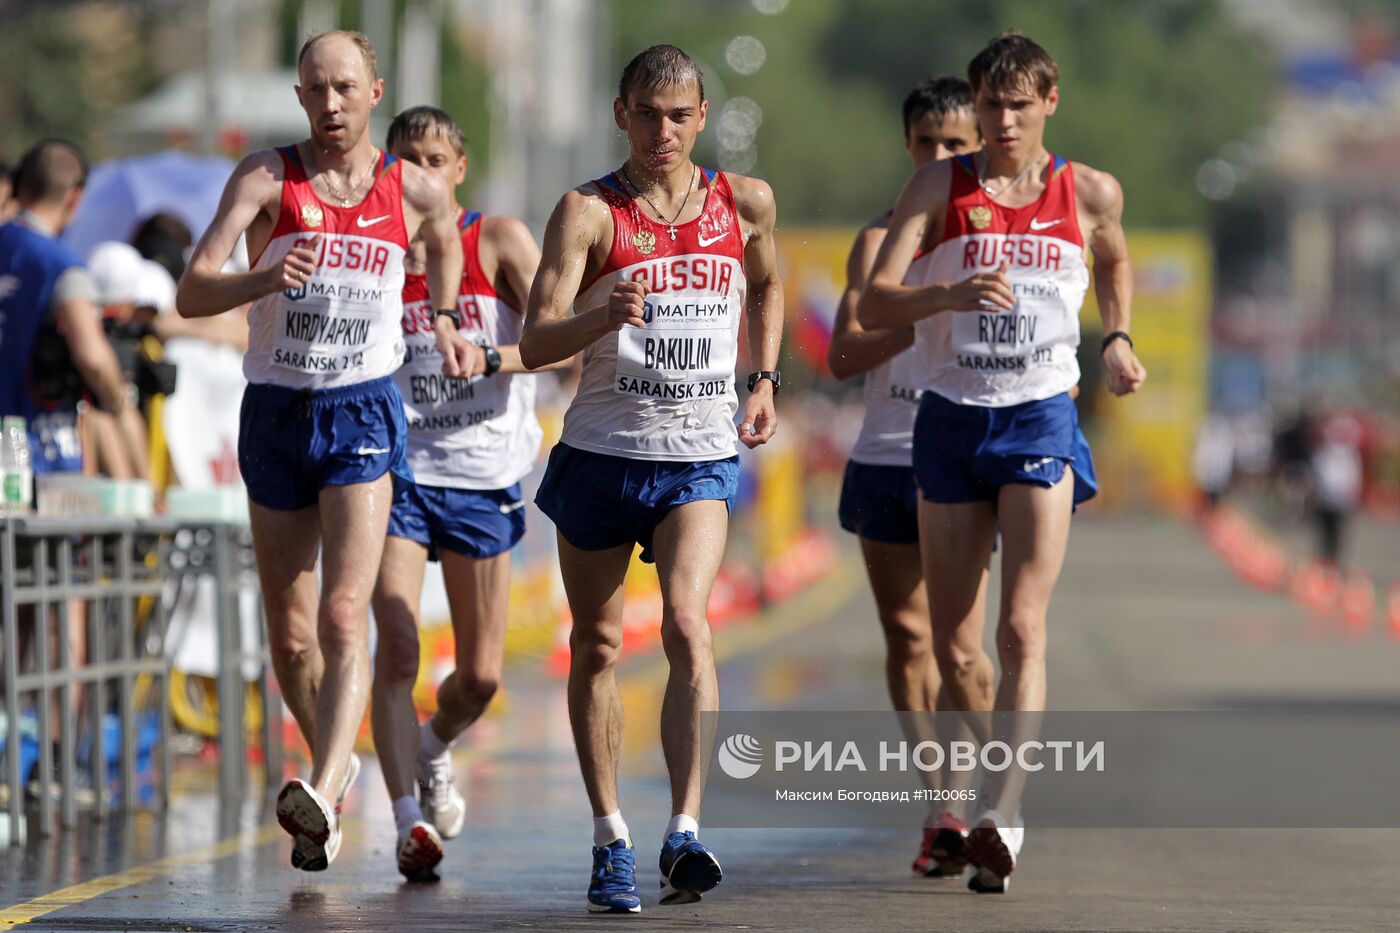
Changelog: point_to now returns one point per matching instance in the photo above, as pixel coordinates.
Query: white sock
(406, 812)
(607, 829)
(429, 745)
(680, 823)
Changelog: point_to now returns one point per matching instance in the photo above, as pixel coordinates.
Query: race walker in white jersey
(659, 261)
(329, 221)
(879, 498)
(471, 438)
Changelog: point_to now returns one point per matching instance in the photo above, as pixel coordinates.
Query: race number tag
(1008, 341)
(318, 337)
(687, 350)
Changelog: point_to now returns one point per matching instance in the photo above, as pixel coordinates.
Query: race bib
(315, 339)
(439, 404)
(686, 351)
(1008, 341)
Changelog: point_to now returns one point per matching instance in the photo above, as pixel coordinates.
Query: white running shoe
(312, 823)
(420, 850)
(352, 771)
(992, 848)
(442, 803)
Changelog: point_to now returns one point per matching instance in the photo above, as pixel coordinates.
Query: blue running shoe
(688, 869)
(613, 887)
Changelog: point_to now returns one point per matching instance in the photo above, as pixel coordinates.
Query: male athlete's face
(337, 92)
(661, 124)
(1013, 119)
(435, 153)
(933, 137)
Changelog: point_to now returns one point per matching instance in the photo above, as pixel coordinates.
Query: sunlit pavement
(1146, 618)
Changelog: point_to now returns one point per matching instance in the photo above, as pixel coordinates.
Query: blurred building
(1308, 221)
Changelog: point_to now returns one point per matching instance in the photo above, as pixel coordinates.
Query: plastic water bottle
(18, 472)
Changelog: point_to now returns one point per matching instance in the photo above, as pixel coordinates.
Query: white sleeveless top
(341, 327)
(1002, 358)
(892, 393)
(466, 434)
(665, 391)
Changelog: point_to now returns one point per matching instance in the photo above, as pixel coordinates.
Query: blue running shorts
(598, 501)
(294, 442)
(471, 522)
(880, 503)
(966, 453)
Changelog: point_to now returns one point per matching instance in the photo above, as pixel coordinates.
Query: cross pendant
(671, 230)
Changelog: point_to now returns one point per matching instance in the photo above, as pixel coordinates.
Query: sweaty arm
(854, 349)
(580, 223)
(758, 215)
(253, 192)
(887, 302)
(1101, 201)
(517, 261)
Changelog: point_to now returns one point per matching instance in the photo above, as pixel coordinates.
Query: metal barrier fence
(113, 581)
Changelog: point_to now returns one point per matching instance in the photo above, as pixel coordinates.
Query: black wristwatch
(1116, 335)
(772, 376)
(451, 313)
(493, 360)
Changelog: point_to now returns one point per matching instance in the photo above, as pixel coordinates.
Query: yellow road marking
(809, 606)
(13, 916)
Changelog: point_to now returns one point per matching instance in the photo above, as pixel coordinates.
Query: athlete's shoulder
(586, 208)
(928, 188)
(871, 236)
(753, 197)
(257, 181)
(505, 233)
(1097, 190)
(262, 167)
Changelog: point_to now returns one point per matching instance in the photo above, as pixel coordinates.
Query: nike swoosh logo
(712, 240)
(370, 451)
(1037, 225)
(1030, 466)
(362, 222)
(512, 507)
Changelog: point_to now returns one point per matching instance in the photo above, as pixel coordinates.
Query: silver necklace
(346, 199)
(670, 224)
(982, 179)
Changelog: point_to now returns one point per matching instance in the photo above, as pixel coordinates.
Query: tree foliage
(1150, 88)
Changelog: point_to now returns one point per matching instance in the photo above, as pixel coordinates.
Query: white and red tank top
(340, 327)
(1001, 358)
(665, 391)
(892, 392)
(479, 433)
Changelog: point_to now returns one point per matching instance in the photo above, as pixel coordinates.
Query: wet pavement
(1146, 618)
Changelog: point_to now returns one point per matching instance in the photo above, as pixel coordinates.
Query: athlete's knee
(956, 659)
(1021, 637)
(685, 635)
(396, 654)
(342, 624)
(595, 647)
(476, 688)
(907, 634)
(291, 637)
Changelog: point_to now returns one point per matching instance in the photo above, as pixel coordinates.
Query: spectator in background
(1214, 459)
(118, 443)
(52, 348)
(7, 191)
(1334, 466)
(165, 239)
